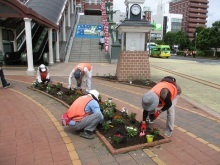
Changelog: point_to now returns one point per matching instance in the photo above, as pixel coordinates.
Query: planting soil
(119, 128)
(135, 82)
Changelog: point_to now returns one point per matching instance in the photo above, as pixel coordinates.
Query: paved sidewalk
(30, 130)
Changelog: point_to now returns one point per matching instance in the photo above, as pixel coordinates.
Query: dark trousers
(4, 82)
(102, 46)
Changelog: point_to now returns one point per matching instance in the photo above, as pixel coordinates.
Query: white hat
(94, 93)
(42, 67)
(150, 101)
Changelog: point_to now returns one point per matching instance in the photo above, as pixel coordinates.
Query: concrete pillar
(15, 44)
(1, 40)
(72, 6)
(64, 27)
(30, 71)
(68, 16)
(58, 47)
(50, 46)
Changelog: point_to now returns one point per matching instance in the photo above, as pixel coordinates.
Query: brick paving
(30, 132)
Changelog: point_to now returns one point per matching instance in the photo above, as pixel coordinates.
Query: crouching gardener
(43, 74)
(163, 95)
(85, 114)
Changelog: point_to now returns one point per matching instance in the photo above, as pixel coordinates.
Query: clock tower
(134, 9)
(133, 62)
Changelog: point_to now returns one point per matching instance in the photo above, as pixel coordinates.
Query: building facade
(163, 17)
(194, 14)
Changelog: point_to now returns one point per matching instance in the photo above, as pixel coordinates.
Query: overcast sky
(213, 10)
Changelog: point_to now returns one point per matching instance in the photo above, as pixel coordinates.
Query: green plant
(132, 116)
(60, 94)
(117, 138)
(59, 85)
(131, 131)
(156, 131)
(105, 126)
(70, 99)
(108, 112)
(35, 84)
(118, 120)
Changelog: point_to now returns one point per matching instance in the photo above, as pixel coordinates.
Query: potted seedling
(131, 131)
(132, 117)
(59, 86)
(118, 120)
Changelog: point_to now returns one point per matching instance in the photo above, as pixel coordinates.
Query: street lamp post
(195, 40)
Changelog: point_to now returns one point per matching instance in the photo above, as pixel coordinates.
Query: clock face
(135, 9)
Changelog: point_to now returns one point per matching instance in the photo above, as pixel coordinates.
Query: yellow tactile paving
(70, 147)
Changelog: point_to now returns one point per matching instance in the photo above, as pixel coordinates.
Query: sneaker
(87, 135)
(150, 121)
(168, 133)
(8, 85)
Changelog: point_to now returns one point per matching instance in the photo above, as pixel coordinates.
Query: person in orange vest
(85, 114)
(82, 70)
(164, 95)
(43, 74)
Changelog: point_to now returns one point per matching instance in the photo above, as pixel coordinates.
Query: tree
(169, 38)
(203, 39)
(215, 36)
(182, 39)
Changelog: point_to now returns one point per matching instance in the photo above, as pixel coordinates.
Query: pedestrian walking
(101, 42)
(80, 72)
(84, 114)
(5, 84)
(163, 96)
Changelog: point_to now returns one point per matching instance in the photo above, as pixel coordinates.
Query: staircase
(88, 49)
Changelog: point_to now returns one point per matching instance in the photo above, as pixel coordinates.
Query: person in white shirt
(80, 71)
(102, 41)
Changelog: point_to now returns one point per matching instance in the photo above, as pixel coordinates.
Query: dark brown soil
(141, 83)
(69, 96)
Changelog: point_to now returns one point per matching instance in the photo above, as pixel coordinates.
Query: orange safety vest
(43, 75)
(81, 66)
(157, 89)
(77, 109)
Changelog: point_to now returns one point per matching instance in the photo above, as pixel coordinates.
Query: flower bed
(120, 129)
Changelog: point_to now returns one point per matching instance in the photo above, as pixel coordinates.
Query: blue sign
(89, 31)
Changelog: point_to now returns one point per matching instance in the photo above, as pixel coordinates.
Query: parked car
(161, 51)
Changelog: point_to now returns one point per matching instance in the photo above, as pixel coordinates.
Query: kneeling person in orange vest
(163, 95)
(82, 70)
(85, 114)
(43, 74)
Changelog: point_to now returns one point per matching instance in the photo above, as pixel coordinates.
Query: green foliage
(70, 99)
(117, 138)
(200, 54)
(131, 131)
(156, 131)
(180, 53)
(105, 126)
(169, 38)
(118, 120)
(59, 85)
(132, 116)
(108, 112)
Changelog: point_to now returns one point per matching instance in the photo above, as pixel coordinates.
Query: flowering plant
(59, 85)
(117, 138)
(60, 94)
(131, 131)
(118, 119)
(156, 131)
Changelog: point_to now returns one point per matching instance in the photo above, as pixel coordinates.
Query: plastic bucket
(150, 138)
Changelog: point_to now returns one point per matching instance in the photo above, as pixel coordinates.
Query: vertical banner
(105, 25)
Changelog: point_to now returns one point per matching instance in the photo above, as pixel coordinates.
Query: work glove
(143, 127)
(156, 114)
